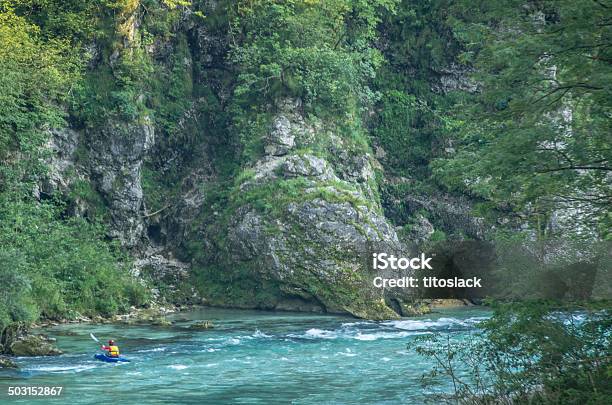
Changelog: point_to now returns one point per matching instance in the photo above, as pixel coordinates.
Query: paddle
(91, 335)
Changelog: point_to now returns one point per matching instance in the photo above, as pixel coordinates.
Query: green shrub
(534, 352)
(60, 267)
(15, 301)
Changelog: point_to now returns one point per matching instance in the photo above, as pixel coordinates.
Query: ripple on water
(347, 352)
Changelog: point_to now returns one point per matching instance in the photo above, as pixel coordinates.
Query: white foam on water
(414, 324)
(350, 324)
(320, 334)
(178, 366)
(64, 369)
(157, 349)
(477, 319)
(424, 324)
(366, 336)
(381, 335)
(260, 334)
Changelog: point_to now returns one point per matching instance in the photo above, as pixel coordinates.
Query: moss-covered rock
(5, 362)
(296, 229)
(160, 322)
(201, 325)
(33, 345)
(155, 316)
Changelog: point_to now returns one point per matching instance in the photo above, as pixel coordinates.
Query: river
(250, 357)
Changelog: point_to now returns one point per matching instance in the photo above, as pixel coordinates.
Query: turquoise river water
(250, 357)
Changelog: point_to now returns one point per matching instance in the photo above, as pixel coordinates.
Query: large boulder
(300, 224)
(33, 345)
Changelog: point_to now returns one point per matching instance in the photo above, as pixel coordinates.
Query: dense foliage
(538, 136)
(57, 268)
(526, 135)
(50, 265)
(410, 123)
(320, 52)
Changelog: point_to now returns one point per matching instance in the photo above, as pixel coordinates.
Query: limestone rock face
(306, 250)
(280, 139)
(116, 156)
(451, 214)
(62, 144)
(454, 77)
(422, 229)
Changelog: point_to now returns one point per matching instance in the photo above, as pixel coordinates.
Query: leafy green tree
(539, 135)
(15, 301)
(319, 51)
(537, 352)
(35, 75)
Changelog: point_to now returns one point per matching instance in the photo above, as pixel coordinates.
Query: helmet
(111, 342)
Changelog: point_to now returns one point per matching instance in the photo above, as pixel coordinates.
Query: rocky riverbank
(18, 340)
(22, 339)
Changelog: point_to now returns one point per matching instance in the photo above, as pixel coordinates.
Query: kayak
(108, 359)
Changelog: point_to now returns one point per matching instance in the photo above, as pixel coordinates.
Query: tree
(539, 136)
(319, 51)
(526, 353)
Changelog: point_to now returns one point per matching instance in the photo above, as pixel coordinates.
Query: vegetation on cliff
(51, 265)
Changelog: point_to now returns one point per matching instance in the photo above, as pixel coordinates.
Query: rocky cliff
(282, 220)
(299, 220)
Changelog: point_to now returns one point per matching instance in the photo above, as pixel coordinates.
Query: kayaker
(112, 349)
